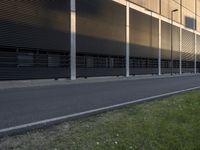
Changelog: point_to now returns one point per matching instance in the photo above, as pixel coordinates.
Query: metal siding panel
(143, 35)
(29, 27)
(149, 4)
(166, 48)
(198, 54)
(167, 6)
(101, 27)
(101, 37)
(188, 46)
(143, 43)
(166, 41)
(188, 51)
(198, 48)
(189, 4)
(40, 24)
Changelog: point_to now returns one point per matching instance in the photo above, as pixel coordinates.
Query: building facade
(88, 38)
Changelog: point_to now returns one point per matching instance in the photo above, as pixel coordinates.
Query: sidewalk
(52, 82)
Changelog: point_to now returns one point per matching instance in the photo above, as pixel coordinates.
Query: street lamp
(172, 18)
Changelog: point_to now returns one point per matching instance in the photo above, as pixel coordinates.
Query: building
(85, 38)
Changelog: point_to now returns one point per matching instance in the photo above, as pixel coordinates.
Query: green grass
(170, 124)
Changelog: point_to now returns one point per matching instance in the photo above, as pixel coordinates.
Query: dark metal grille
(16, 57)
(25, 63)
(99, 61)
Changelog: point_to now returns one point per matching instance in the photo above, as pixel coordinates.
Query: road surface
(34, 104)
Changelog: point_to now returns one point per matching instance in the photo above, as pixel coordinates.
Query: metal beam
(73, 40)
(160, 47)
(127, 39)
(180, 59)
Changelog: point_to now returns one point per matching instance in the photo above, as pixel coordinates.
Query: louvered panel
(101, 38)
(34, 39)
(166, 48)
(188, 50)
(36, 24)
(198, 53)
(143, 43)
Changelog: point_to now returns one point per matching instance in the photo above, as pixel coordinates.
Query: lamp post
(172, 18)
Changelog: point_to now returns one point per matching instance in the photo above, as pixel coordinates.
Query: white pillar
(195, 54)
(159, 47)
(127, 39)
(73, 39)
(180, 59)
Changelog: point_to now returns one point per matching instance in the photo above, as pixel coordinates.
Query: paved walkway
(52, 82)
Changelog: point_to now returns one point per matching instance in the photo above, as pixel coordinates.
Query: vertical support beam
(195, 53)
(180, 59)
(127, 39)
(172, 64)
(73, 39)
(159, 47)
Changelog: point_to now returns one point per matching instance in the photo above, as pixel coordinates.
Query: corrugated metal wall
(34, 39)
(101, 46)
(143, 43)
(166, 48)
(188, 51)
(198, 54)
(42, 24)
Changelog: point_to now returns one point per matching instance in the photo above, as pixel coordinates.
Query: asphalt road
(26, 105)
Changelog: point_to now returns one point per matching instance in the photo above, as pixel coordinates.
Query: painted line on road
(57, 119)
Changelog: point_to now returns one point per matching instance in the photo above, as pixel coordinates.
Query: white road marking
(45, 122)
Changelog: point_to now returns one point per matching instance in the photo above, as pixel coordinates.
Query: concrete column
(127, 39)
(180, 59)
(73, 40)
(195, 55)
(159, 47)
